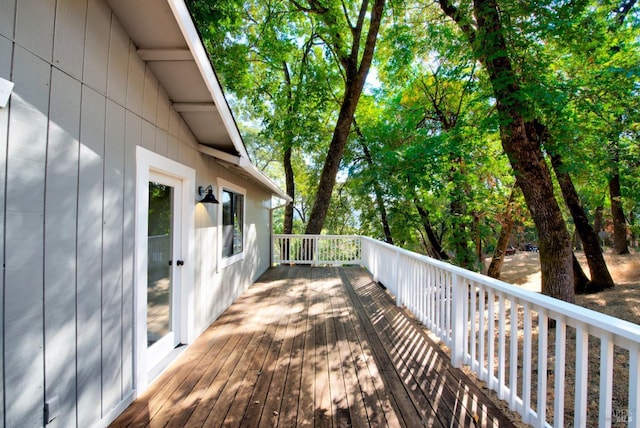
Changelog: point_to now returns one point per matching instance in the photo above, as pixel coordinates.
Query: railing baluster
(606, 381)
(559, 372)
(436, 302)
(429, 279)
(443, 307)
(502, 344)
(448, 309)
(543, 327)
(491, 354)
(526, 363)
(465, 321)
(473, 331)
(457, 334)
(513, 354)
(582, 370)
(481, 328)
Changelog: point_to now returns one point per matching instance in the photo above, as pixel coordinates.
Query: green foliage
(426, 130)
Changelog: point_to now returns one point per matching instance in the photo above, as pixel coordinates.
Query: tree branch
(624, 10)
(315, 7)
(464, 22)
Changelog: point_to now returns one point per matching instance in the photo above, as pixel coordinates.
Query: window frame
(223, 185)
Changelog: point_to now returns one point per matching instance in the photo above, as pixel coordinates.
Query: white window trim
(223, 262)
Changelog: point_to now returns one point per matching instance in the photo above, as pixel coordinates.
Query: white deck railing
(501, 332)
(316, 250)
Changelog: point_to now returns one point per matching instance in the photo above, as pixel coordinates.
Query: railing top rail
(284, 235)
(558, 309)
(598, 323)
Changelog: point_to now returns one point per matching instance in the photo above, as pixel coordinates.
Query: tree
(355, 60)
(600, 276)
(388, 238)
(487, 39)
(497, 261)
(274, 62)
(598, 56)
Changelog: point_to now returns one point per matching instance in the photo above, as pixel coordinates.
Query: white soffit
(167, 40)
(201, 57)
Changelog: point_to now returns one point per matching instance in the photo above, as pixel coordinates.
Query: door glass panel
(159, 265)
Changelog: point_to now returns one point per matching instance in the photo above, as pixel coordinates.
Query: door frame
(146, 162)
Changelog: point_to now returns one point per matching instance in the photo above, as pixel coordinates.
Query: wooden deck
(313, 347)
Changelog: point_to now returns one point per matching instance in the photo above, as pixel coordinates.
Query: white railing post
(314, 260)
(274, 242)
(396, 275)
(457, 326)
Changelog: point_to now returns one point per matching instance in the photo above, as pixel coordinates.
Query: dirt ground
(523, 270)
(623, 301)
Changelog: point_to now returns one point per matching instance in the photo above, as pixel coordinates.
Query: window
(232, 223)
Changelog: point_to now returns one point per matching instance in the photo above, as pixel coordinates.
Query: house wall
(82, 102)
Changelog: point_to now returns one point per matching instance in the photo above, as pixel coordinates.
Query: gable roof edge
(192, 38)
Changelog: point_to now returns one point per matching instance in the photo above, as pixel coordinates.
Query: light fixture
(208, 198)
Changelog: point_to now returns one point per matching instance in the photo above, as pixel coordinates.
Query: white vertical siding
(135, 82)
(221, 286)
(5, 72)
(133, 134)
(162, 114)
(96, 47)
(90, 189)
(150, 102)
(112, 256)
(34, 26)
(60, 244)
(118, 64)
(162, 143)
(68, 42)
(82, 103)
(26, 153)
(7, 18)
(148, 135)
(174, 123)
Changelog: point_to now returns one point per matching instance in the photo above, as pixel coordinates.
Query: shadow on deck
(313, 347)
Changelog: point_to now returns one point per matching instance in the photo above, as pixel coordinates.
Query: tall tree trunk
(378, 192)
(495, 268)
(478, 239)
(600, 276)
(619, 223)
(286, 158)
(290, 189)
(461, 231)
(632, 222)
(598, 220)
(288, 170)
(580, 280)
(434, 242)
(525, 154)
(356, 67)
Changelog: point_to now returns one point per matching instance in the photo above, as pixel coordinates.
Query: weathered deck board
(313, 347)
(441, 391)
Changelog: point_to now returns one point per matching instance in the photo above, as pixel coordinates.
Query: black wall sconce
(208, 198)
